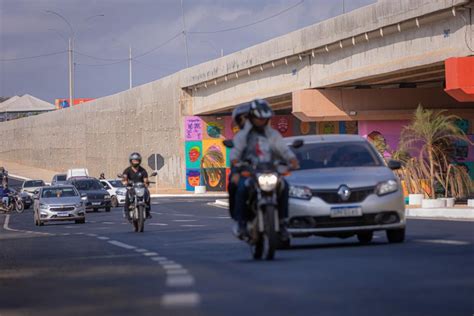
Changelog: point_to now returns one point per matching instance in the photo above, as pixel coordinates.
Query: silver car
(59, 203)
(344, 188)
(30, 186)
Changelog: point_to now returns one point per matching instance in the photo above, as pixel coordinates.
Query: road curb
(433, 213)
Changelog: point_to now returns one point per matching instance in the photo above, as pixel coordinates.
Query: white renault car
(344, 188)
(116, 190)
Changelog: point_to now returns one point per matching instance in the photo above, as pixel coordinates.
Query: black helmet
(260, 109)
(239, 112)
(135, 156)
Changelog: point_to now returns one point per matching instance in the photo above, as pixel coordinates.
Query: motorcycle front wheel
(19, 206)
(270, 236)
(141, 219)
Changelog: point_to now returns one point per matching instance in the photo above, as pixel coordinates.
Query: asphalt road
(188, 263)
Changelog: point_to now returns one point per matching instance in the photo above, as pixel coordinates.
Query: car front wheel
(396, 235)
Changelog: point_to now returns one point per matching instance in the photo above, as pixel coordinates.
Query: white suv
(116, 190)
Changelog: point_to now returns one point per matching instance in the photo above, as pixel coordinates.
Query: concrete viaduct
(375, 63)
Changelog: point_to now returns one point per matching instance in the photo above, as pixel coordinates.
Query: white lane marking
(141, 250)
(6, 224)
(180, 299)
(184, 220)
(150, 254)
(444, 241)
(178, 214)
(157, 213)
(103, 238)
(179, 280)
(120, 244)
(193, 225)
(159, 259)
(92, 235)
(108, 223)
(172, 266)
(177, 271)
(167, 261)
(158, 224)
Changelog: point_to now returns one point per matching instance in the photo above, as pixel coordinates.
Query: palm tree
(431, 134)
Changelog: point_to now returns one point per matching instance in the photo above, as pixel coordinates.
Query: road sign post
(156, 162)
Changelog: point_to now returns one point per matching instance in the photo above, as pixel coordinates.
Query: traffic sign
(156, 162)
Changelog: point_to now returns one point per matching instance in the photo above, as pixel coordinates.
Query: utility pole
(71, 84)
(343, 6)
(222, 52)
(130, 66)
(185, 35)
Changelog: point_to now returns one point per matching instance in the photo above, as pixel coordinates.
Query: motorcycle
(137, 210)
(265, 180)
(15, 203)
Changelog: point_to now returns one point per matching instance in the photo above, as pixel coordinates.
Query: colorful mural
(203, 140)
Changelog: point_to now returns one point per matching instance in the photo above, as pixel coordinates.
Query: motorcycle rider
(239, 117)
(102, 176)
(135, 173)
(3, 175)
(258, 141)
(4, 192)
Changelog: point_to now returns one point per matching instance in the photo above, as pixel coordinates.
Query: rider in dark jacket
(133, 174)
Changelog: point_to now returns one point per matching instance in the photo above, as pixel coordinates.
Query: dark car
(59, 179)
(93, 190)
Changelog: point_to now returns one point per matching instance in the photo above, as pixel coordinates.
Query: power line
(100, 65)
(33, 57)
(250, 24)
(99, 58)
(158, 46)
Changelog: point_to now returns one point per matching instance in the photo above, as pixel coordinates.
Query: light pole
(219, 52)
(185, 35)
(70, 55)
(130, 66)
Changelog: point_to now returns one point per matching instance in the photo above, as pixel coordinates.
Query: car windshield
(116, 183)
(33, 183)
(58, 192)
(88, 185)
(61, 177)
(337, 155)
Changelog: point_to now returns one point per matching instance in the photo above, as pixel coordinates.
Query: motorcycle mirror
(297, 143)
(119, 175)
(229, 143)
(153, 174)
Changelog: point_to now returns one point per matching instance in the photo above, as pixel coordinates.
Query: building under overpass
(360, 72)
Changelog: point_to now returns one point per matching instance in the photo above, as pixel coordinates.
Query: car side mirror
(394, 164)
(229, 143)
(297, 143)
(154, 174)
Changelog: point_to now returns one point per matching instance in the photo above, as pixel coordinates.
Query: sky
(103, 31)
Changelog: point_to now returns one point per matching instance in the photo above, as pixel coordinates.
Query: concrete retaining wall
(101, 134)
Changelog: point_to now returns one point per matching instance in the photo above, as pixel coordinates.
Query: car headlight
(107, 196)
(267, 181)
(140, 192)
(386, 187)
(298, 192)
(78, 205)
(43, 206)
(121, 193)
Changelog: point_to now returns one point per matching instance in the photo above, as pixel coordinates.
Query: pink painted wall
(391, 130)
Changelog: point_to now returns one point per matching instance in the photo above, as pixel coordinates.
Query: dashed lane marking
(141, 250)
(103, 238)
(172, 266)
(444, 241)
(179, 280)
(150, 254)
(158, 224)
(180, 300)
(121, 244)
(177, 271)
(193, 225)
(159, 259)
(184, 220)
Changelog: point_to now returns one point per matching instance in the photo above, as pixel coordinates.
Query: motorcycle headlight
(386, 187)
(267, 181)
(298, 192)
(140, 192)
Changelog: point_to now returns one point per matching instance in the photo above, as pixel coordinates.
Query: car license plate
(95, 203)
(63, 214)
(346, 211)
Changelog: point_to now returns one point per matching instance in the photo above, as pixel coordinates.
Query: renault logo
(344, 193)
